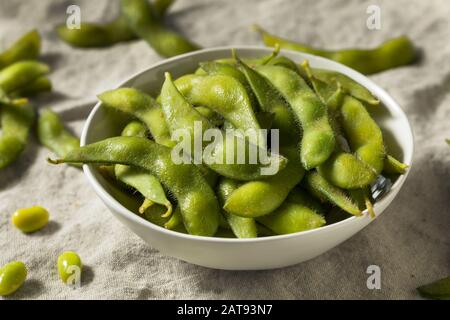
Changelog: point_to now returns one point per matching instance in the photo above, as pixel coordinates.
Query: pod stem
(369, 207)
(145, 205)
(168, 213)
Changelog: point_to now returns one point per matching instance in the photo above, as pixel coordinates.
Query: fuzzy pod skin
(26, 47)
(12, 276)
(242, 227)
(390, 54)
(197, 201)
(142, 19)
(16, 123)
(258, 198)
(322, 189)
(318, 139)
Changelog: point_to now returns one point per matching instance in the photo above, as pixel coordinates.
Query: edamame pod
(16, 123)
(258, 198)
(392, 53)
(21, 74)
(26, 47)
(325, 191)
(197, 201)
(35, 87)
(143, 107)
(52, 134)
(242, 227)
(141, 19)
(12, 276)
(439, 290)
(318, 140)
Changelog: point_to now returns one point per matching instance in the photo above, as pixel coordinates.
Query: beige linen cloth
(409, 242)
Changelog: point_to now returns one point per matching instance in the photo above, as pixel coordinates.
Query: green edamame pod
(141, 180)
(439, 290)
(270, 100)
(197, 201)
(16, 123)
(392, 53)
(143, 21)
(362, 133)
(91, 35)
(393, 166)
(322, 189)
(52, 133)
(225, 95)
(8, 99)
(292, 217)
(318, 140)
(27, 47)
(242, 227)
(21, 74)
(12, 276)
(258, 198)
(35, 87)
(160, 7)
(143, 107)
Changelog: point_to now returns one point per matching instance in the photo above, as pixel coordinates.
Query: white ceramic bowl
(259, 253)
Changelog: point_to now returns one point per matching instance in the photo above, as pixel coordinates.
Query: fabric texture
(409, 242)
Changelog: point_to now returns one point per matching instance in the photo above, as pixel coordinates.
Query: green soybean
(242, 227)
(30, 219)
(12, 276)
(318, 140)
(69, 266)
(26, 47)
(197, 201)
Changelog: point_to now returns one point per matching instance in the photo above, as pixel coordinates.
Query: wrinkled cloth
(409, 242)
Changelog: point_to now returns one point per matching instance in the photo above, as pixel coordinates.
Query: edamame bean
(318, 140)
(197, 201)
(53, 135)
(393, 53)
(141, 19)
(16, 123)
(30, 219)
(225, 95)
(91, 35)
(26, 47)
(258, 198)
(242, 227)
(439, 290)
(325, 191)
(21, 74)
(143, 107)
(69, 266)
(363, 134)
(270, 100)
(12, 276)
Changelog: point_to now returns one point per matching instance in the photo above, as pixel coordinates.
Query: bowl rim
(357, 76)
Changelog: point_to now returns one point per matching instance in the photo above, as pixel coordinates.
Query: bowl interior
(103, 123)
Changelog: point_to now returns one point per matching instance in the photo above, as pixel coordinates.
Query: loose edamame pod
(30, 219)
(143, 107)
(242, 227)
(362, 133)
(325, 191)
(92, 35)
(292, 217)
(225, 95)
(7, 99)
(52, 133)
(141, 19)
(141, 180)
(35, 87)
(16, 123)
(21, 74)
(318, 140)
(197, 201)
(270, 100)
(12, 276)
(69, 267)
(439, 290)
(393, 53)
(26, 47)
(258, 198)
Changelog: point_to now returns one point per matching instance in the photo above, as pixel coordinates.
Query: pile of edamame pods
(138, 19)
(330, 149)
